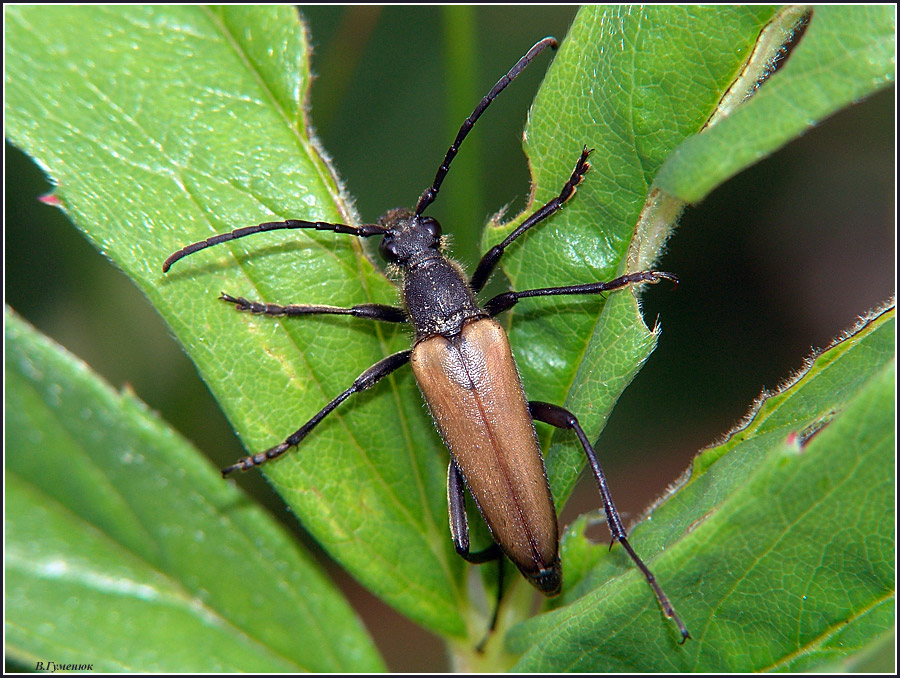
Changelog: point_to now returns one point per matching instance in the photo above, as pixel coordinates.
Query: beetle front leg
(562, 418)
(364, 381)
(492, 257)
(382, 312)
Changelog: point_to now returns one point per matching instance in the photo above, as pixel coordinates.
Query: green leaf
(847, 53)
(124, 550)
(784, 533)
(165, 125)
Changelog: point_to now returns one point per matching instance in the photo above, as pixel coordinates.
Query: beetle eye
(432, 226)
(387, 249)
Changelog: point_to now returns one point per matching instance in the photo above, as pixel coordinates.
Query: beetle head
(409, 237)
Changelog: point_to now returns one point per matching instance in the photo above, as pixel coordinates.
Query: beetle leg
(459, 530)
(459, 523)
(383, 312)
(492, 257)
(562, 418)
(507, 300)
(364, 381)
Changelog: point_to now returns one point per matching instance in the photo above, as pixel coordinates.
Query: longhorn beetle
(463, 365)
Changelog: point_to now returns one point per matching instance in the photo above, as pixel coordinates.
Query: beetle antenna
(363, 231)
(431, 192)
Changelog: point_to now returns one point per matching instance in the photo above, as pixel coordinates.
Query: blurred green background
(777, 261)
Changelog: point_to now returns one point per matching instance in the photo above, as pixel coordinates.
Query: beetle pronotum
(462, 361)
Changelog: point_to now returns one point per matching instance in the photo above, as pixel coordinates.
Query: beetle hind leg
(562, 418)
(459, 530)
(459, 523)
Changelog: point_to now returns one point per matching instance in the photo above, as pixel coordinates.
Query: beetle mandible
(463, 364)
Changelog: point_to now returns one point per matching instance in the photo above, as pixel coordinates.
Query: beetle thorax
(438, 298)
(436, 293)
